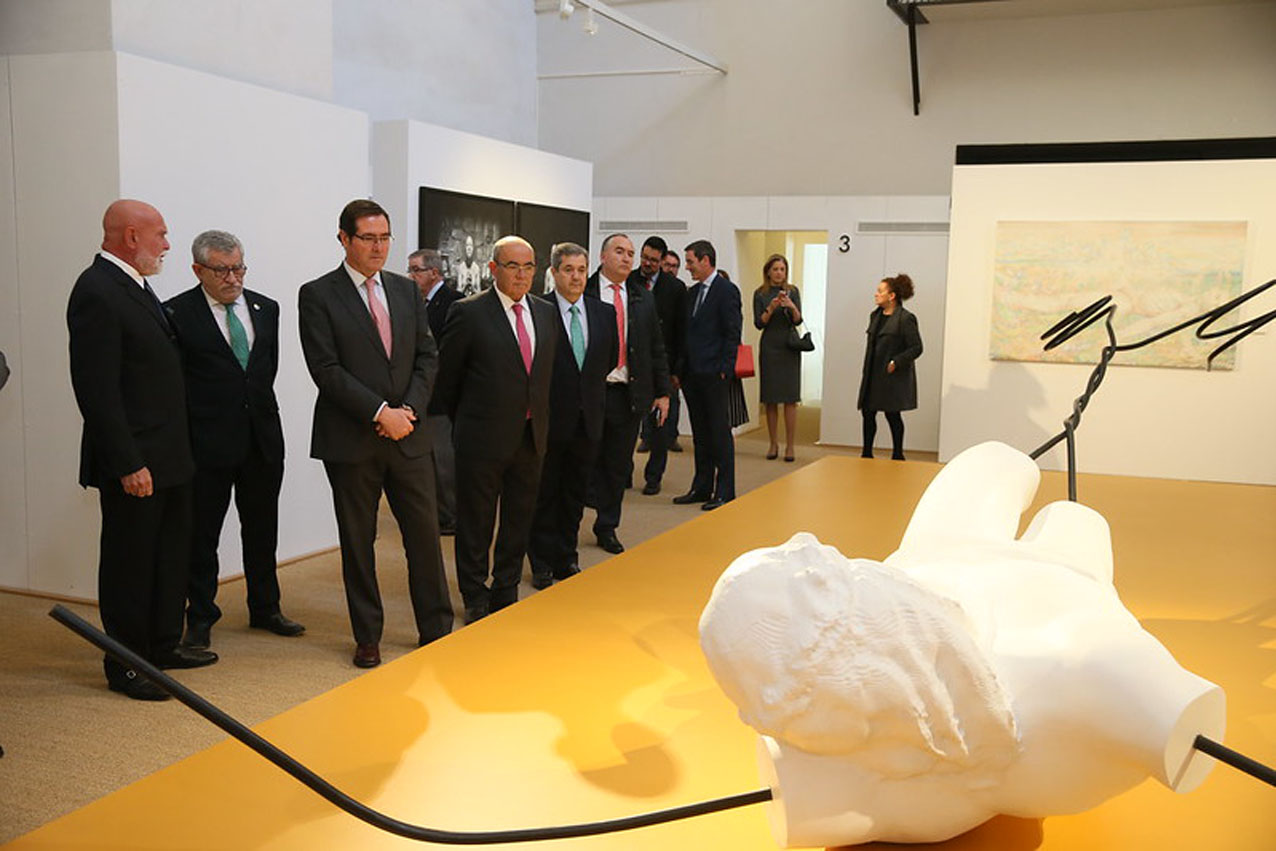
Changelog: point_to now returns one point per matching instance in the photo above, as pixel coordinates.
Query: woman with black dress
(890, 382)
(777, 308)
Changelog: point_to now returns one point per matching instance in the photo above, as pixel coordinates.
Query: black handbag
(799, 342)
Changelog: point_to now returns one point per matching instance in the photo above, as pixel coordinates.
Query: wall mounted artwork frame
(544, 226)
(463, 228)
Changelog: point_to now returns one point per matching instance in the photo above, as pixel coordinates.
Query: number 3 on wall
(844, 243)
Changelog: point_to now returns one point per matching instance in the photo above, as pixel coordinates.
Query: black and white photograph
(463, 228)
(544, 226)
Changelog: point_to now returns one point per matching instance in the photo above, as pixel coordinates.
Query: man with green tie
(229, 338)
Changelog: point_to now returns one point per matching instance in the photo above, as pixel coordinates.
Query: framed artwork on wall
(544, 226)
(463, 228)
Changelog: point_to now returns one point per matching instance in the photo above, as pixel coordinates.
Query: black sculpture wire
(1077, 321)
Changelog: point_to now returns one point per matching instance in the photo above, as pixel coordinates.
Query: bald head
(135, 232)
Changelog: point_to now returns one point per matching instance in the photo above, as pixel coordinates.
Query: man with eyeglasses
(425, 267)
(229, 337)
(366, 336)
(496, 358)
(126, 371)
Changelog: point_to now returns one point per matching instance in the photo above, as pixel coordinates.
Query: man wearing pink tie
(366, 337)
(496, 358)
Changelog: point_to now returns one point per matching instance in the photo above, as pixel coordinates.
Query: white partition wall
(852, 276)
(1143, 421)
(273, 168)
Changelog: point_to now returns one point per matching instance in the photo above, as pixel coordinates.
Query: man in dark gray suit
(366, 338)
(425, 267)
(586, 352)
(127, 374)
(495, 362)
(229, 337)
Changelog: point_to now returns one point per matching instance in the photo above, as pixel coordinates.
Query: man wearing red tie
(366, 337)
(495, 363)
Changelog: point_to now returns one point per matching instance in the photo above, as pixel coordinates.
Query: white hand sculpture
(970, 674)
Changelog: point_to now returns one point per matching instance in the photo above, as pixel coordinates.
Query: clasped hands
(396, 423)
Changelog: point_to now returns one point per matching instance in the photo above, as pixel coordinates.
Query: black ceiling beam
(907, 11)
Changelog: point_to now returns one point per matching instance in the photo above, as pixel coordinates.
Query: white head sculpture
(970, 674)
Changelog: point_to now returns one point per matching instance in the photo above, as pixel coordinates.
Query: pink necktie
(524, 340)
(619, 304)
(380, 318)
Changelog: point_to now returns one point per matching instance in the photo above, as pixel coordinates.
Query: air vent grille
(911, 228)
(643, 226)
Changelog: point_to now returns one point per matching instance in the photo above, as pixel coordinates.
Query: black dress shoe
(367, 656)
(138, 687)
(278, 624)
(197, 635)
(541, 581)
(689, 497)
(610, 543)
(447, 528)
(643, 447)
(567, 572)
(651, 489)
(714, 503)
(185, 657)
(675, 447)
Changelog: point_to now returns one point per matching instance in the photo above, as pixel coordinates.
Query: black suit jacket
(577, 392)
(231, 408)
(127, 375)
(713, 331)
(349, 365)
(483, 385)
(671, 307)
(437, 309)
(644, 345)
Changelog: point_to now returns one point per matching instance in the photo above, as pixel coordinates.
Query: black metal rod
(912, 58)
(359, 810)
(1236, 760)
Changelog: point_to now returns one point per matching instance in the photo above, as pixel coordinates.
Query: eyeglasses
(373, 238)
(221, 272)
(511, 266)
(412, 270)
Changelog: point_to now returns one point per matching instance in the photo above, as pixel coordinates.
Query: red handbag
(744, 361)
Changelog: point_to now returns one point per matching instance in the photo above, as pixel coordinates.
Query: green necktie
(578, 337)
(238, 339)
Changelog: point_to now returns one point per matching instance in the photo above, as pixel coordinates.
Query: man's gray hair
(429, 258)
(565, 249)
(214, 240)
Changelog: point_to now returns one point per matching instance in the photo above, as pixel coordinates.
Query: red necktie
(380, 318)
(619, 303)
(524, 339)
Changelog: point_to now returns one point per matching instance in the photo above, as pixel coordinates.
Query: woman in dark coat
(890, 382)
(777, 307)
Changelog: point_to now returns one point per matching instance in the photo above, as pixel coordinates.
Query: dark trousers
(440, 427)
(409, 489)
(615, 465)
(256, 484)
(483, 483)
(659, 439)
(142, 568)
(896, 423)
(560, 503)
(711, 433)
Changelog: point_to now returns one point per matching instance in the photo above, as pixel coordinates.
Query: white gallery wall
(133, 127)
(852, 277)
(409, 154)
(818, 101)
(1171, 423)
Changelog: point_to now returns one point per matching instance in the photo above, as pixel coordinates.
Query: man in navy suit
(425, 267)
(366, 337)
(229, 337)
(127, 375)
(585, 353)
(706, 366)
(495, 363)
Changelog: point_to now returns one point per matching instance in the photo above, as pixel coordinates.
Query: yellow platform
(592, 700)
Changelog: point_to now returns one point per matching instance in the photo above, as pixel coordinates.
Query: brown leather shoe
(367, 656)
